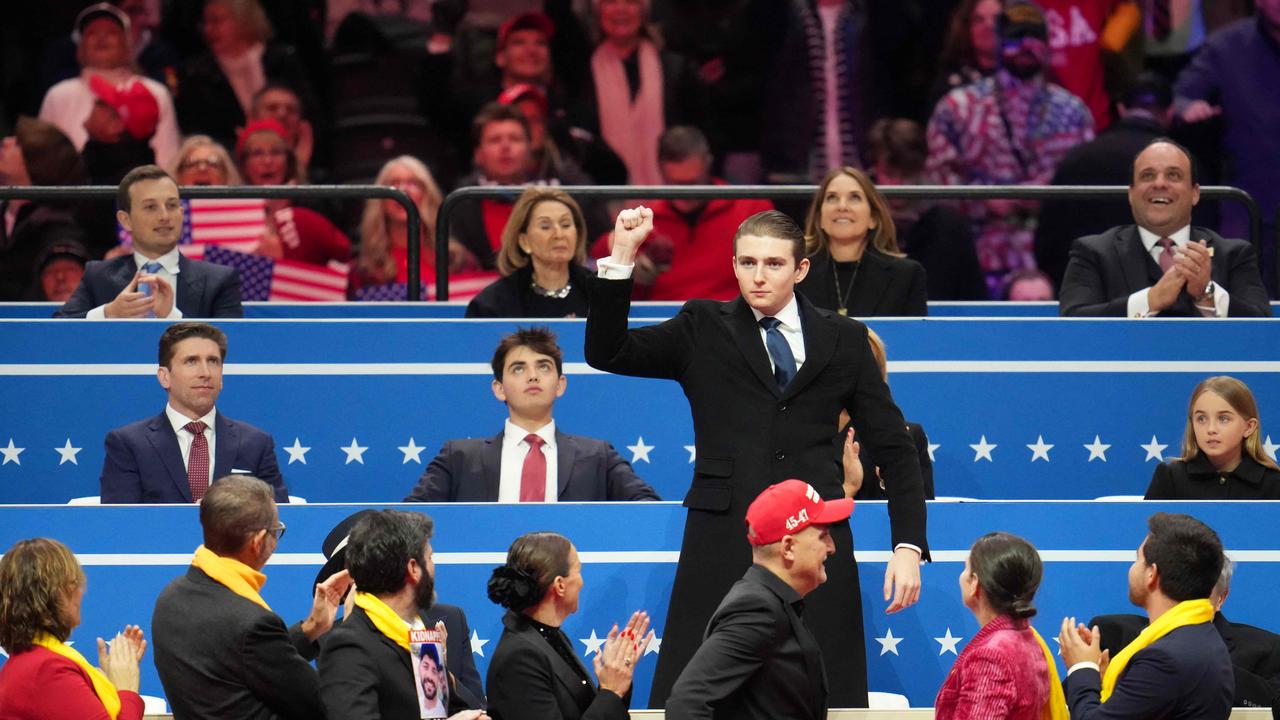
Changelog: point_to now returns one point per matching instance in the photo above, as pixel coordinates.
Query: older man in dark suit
(758, 660)
(766, 376)
(220, 651)
(175, 456)
(155, 280)
(1179, 668)
(1162, 266)
(531, 460)
(367, 662)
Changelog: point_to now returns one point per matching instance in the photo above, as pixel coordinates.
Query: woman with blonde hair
(1222, 455)
(855, 266)
(201, 160)
(544, 246)
(41, 588)
(384, 227)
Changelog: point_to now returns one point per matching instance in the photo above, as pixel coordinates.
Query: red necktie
(1166, 257)
(533, 476)
(197, 460)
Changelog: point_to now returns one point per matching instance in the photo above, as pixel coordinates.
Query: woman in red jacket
(41, 586)
(1005, 671)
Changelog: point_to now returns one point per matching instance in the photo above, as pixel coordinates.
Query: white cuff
(98, 313)
(1084, 664)
(608, 270)
(175, 313)
(909, 546)
(1139, 307)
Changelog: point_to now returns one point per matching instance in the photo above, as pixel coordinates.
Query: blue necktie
(784, 363)
(150, 268)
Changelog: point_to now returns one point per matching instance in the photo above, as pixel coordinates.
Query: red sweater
(1000, 675)
(40, 684)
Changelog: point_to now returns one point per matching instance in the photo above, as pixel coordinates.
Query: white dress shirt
(1139, 306)
(514, 450)
(168, 271)
(185, 437)
(789, 325)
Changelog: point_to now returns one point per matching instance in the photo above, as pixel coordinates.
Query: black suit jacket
(757, 661)
(749, 434)
(528, 680)
(144, 461)
(1197, 479)
(886, 286)
(588, 469)
(470, 690)
(1106, 269)
(205, 290)
(364, 675)
(1255, 653)
(871, 483)
(1185, 675)
(221, 656)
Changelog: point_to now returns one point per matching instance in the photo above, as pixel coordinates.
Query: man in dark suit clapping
(531, 460)
(758, 660)
(1162, 265)
(766, 376)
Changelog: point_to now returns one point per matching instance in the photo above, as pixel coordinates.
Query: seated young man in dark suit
(530, 460)
(220, 651)
(155, 280)
(1179, 668)
(1162, 265)
(1255, 653)
(175, 456)
(367, 663)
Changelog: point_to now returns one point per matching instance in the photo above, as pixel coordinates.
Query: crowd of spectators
(638, 92)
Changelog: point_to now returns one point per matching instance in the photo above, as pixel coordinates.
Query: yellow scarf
(1056, 707)
(102, 687)
(385, 619)
(235, 575)
(1187, 612)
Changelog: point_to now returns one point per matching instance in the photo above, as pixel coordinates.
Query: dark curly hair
(36, 576)
(534, 561)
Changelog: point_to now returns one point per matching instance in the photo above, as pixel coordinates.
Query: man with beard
(1012, 128)
(220, 650)
(1162, 265)
(366, 666)
(1179, 666)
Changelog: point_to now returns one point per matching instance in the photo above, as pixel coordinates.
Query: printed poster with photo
(427, 652)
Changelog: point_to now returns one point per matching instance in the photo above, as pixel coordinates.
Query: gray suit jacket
(205, 290)
(588, 469)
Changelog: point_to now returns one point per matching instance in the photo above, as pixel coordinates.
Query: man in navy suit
(174, 456)
(1184, 671)
(530, 460)
(155, 280)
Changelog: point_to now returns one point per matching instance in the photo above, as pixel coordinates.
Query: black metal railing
(796, 192)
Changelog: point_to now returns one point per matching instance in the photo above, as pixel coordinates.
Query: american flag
(463, 286)
(262, 278)
(236, 224)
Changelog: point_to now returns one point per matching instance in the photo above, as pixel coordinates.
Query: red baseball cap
(526, 21)
(134, 103)
(789, 507)
(263, 125)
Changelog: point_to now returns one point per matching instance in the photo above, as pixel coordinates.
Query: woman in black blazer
(535, 673)
(1222, 457)
(855, 267)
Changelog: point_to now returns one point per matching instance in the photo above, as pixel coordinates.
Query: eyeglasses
(260, 153)
(277, 531)
(201, 164)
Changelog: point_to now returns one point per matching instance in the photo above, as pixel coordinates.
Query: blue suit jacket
(205, 290)
(588, 470)
(1186, 674)
(144, 462)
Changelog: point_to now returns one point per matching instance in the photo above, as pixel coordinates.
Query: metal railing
(266, 192)
(795, 192)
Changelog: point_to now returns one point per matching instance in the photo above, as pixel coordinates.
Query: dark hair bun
(513, 588)
(1022, 607)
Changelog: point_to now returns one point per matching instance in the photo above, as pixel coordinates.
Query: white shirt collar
(513, 433)
(1180, 237)
(178, 420)
(168, 261)
(789, 315)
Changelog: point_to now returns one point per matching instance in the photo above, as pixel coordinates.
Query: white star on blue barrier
(67, 453)
(948, 643)
(11, 454)
(1040, 450)
(693, 452)
(411, 452)
(477, 644)
(640, 451)
(932, 448)
(297, 453)
(1097, 449)
(983, 450)
(593, 643)
(655, 645)
(889, 643)
(1154, 450)
(1270, 447)
(354, 452)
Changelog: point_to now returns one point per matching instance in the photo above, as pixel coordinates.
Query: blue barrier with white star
(1014, 408)
(629, 552)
